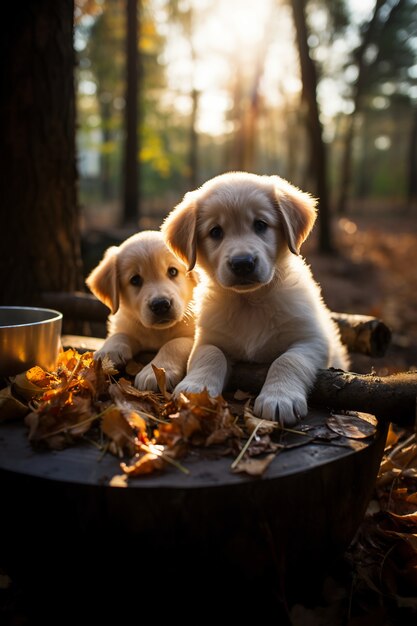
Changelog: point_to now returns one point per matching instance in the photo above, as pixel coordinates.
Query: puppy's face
(238, 225)
(145, 279)
(238, 236)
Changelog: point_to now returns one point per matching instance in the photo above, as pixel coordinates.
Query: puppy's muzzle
(243, 266)
(160, 307)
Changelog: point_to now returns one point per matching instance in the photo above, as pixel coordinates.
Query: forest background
(321, 93)
(229, 86)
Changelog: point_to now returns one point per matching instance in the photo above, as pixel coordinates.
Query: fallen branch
(76, 306)
(363, 334)
(360, 333)
(387, 397)
(391, 397)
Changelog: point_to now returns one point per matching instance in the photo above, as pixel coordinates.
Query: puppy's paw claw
(285, 410)
(145, 380)
(118, 358)
(188, 386)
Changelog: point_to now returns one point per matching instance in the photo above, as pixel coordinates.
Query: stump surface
(210, 534)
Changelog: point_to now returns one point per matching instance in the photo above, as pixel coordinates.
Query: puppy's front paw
(119, 356)
(145, 380)
(173, 377)
(192, 385)
(286, 408)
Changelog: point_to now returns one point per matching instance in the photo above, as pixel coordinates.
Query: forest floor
(373, 272)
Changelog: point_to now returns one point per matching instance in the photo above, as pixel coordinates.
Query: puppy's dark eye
(260, 226)
(172, 271)
(136, 280)
(216, 232)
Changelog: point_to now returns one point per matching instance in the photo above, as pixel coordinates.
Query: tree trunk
(39, 236)
(412, 162)
(346, 167)
(317, 148)
(193, 154)
(105, 165)
(131, 176)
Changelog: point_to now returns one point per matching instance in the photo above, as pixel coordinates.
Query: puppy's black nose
(242, 265)
(160, 306)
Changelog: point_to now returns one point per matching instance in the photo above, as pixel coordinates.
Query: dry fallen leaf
(10, 406)
(352, 424)
(144, 464)
(161, 381)
(254, 467)
(119, 431)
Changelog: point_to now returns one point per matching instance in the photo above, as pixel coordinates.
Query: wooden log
(362, 334)
(390, 398)
(76, 305)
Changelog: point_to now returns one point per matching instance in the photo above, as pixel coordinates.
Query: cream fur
(276, 315)
(132, 326)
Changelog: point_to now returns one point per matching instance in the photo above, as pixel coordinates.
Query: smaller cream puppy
(149, 293)
(259, 302)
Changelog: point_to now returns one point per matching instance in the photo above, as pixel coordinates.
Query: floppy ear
(179, 230)
(194, 277)
(298, 213)
(103, 280)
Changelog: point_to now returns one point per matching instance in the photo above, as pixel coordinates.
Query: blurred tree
(106, 54)
(39, 238)
(318, 156)
(103, 61)
(412, 162)
(385, 53)
(184, 15)
(131, 212)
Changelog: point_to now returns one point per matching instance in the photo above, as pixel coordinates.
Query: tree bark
(39, 236)
(390, 397)
(363, 334)
(318, 154)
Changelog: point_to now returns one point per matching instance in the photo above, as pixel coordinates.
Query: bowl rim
(56, 315)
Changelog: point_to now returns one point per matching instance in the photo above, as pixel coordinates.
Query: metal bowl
(28, 336)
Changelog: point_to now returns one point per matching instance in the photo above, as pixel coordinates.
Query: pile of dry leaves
(384, 552)
(88, 399)
(147, 431)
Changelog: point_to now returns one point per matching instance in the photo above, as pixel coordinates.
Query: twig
(247, 444)
(164, 457)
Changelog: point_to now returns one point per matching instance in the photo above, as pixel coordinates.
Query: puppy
(259, 301)
(149, 293)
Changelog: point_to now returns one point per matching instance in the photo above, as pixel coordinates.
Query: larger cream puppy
(259, 302)
(149, 293)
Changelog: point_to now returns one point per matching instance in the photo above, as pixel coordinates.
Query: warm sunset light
(234, 41)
